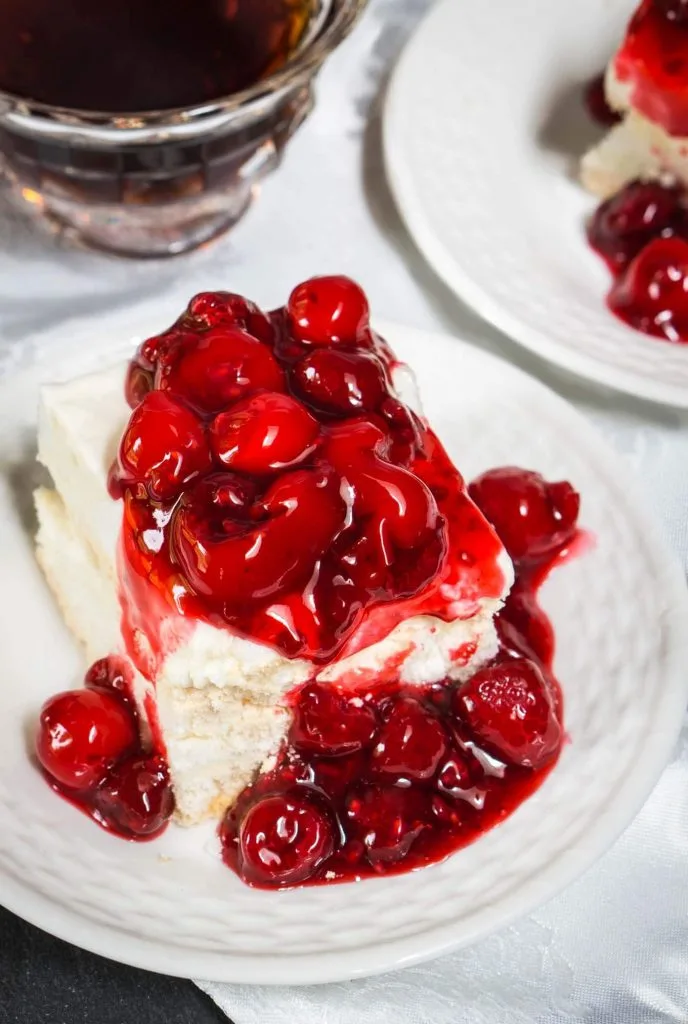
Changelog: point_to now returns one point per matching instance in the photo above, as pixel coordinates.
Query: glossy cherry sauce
(642, 235)
(274, 483)
(388, 778)
(653, 62)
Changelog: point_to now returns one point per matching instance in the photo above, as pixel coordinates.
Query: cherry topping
(328, 310)
(331, 723)
(341, 383)
(399, 506)
(510, 709)
(163, 448)
(284, 838)
(652, 295)
(624, 224)
(522, 625)
(263, 434)
(411, 743)
(136, 798)
(221, 309)
(456, 774)
(387, 820)
(532, 517)
(298, 518)
(82, 733)
(216, 368)
(406, 432)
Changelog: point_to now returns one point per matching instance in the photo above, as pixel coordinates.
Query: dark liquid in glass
(137, 55)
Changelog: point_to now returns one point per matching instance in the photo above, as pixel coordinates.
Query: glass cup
(161, 182)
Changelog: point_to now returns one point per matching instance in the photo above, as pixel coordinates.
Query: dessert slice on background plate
(523, 263)
(646, 83)
(640, 170)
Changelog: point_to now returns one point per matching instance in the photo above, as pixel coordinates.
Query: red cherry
(338, 382)
(365, 563)
(136, 798)
(223, 309)
(218, 367)
(82, 733)
(107, 674)
(137, 384)
(221, 497)
(335, 775)
(140, 377)
(411, 743)
(624, 224)
(151, 351)
(403, 506)
(163, 448)
(596, 102)
(397, 505)
(406, 432)
(331, 723)
(510, 709)
(284, 839)
(263, 434)
(387, 820)
(524, 625)
(652, 294)
(328, 310)
(353, 441)
(300, 516)
(532, 517)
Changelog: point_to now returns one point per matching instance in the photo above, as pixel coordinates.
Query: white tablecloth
(613, 949)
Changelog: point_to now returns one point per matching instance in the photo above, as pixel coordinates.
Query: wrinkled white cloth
(613, 948)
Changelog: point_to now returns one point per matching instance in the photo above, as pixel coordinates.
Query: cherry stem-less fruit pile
(388, 777)
(274, 482)
(92, 752)
(243, 427)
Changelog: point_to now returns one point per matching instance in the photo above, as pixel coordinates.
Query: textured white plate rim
(457, 276)
(621, 806)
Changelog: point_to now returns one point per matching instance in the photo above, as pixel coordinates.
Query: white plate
(620, 613)
(484, 126)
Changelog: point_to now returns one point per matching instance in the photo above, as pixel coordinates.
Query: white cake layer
(634, 148)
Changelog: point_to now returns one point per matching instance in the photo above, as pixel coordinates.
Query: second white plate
(619, 611)
(484, 126)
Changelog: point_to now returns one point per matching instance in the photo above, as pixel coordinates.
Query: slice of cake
(647, 84)
(252, 505)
